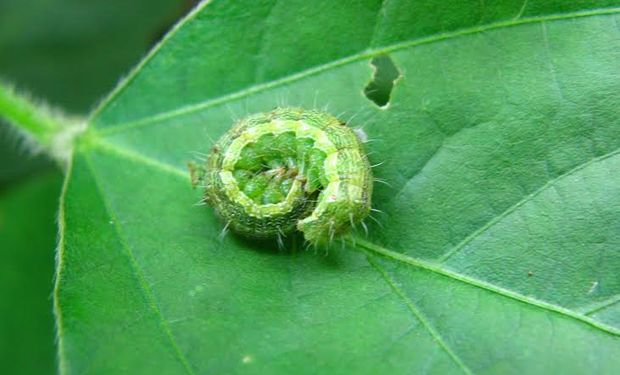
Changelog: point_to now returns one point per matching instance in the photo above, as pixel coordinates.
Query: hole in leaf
(380, 87)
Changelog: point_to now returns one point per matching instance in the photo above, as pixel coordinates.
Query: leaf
(28, 235)
(501, 221)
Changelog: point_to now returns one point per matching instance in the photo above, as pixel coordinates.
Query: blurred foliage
(69, 53)
(28, 235)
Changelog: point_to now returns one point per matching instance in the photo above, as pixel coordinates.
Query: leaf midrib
(435, 267)
(149, 294)
(367, 54)
(364, 245)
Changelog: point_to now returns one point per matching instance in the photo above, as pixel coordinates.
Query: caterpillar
(285, 170)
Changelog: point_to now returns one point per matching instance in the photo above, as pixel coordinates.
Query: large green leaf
(498, 251)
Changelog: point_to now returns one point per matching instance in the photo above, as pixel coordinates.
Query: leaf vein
(138, 158)
(520, 203)
(367, 54)
(139, 274)
(418, 314)
(262, 44)
(430, 266)
(523, 6)
(378, 21)
(614, 300)
(438, 269)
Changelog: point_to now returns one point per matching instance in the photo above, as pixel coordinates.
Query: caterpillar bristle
(376, 221)
(352, 221)
(381, 181)
(233, 115)
(365, 227)
(224, 231)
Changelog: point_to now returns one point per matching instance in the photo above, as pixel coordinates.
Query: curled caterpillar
(288, 169)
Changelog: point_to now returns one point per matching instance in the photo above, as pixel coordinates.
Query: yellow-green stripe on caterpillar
(288, 169)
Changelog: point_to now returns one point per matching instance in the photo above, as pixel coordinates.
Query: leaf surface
(496, 249)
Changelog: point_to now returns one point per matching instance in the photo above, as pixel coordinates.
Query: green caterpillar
(288, 169)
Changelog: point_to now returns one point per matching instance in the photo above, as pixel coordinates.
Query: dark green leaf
(27, 239)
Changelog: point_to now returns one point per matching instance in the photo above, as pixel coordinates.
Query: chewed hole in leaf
(385, 75)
